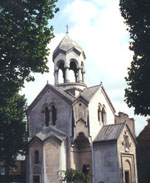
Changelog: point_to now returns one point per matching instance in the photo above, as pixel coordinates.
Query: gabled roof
(50, 132)
(88, 93)
(56, 90)
(110, 132)
(43, 137)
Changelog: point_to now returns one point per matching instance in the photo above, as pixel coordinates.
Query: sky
(97, 26)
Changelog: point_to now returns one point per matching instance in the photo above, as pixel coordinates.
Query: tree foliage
(24, 35)
(12, 128)
(73, 176)
(136, 14)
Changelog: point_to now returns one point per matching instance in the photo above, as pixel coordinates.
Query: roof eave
(106, 141)
(112, 107)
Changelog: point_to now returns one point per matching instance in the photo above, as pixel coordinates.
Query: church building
(71, 125)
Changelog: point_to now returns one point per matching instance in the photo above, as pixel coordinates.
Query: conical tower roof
(66, 45)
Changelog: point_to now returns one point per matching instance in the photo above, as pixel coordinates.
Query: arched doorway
(127, 172)
(81, 152)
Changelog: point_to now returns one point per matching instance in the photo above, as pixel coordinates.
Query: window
(103, 116)
(46, 116)
(54, 115)
(50, 114)
(99, 112)
(3, 170)
(36, 179)
(36, 157)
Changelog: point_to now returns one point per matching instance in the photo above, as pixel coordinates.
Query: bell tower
(68, 56)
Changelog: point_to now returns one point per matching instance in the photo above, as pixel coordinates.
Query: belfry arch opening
(60, 76)
(61, 72)
(73, 73)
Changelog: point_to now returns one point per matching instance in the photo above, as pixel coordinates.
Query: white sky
(99, 29)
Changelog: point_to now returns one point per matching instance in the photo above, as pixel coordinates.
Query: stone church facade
(71, 125)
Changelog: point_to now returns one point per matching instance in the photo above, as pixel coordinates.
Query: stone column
(76, 77)
(79, 76)
(83, 76)
(66, 75)
(56, 77)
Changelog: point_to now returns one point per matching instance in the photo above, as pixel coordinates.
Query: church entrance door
(127, 177)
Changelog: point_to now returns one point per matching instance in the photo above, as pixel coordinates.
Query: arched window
(54, 114)
(36, 157)
(99, 112)
(46, 116)
(103, 115)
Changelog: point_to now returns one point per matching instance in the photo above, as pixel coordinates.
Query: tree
(74, 176)
(12, 128)
(137, 17)
(24, 36)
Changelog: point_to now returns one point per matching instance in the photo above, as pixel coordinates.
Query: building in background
(72, 125)
(123, 117)
(143, 154)
(13, 174)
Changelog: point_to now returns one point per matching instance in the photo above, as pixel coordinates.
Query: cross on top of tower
(67, 29)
